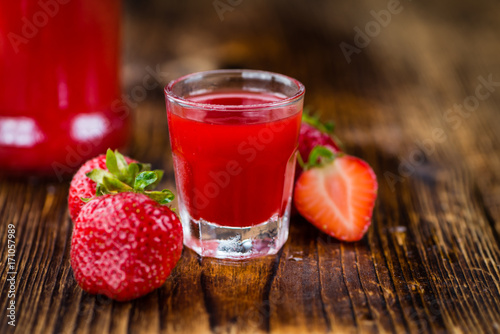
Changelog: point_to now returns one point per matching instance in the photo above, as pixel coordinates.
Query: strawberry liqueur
(249, 161)
(234, 150)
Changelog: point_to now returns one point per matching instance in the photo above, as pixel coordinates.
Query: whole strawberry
(124, 245)
(83, 187)
(314, 133)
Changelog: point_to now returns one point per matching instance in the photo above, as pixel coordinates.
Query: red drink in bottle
(59, 84)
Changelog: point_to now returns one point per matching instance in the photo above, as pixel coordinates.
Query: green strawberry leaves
(145, 179)
(328, 127)
(117, 165)
(319, 156)
(163, 197)
(123, 177)
(320, 152)
(312, 120)
(148, 180)
(112, 163)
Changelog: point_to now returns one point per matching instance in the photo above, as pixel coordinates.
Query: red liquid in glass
(234, 168)
(59, 84)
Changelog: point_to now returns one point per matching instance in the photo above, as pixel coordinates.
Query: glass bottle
(59, 84)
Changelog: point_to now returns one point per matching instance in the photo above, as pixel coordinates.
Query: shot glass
(233, 135)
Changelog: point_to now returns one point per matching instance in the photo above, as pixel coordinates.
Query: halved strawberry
(337, 195)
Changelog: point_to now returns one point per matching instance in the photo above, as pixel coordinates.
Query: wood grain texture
(430, 263)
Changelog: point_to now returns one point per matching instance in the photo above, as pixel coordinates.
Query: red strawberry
(124, 245)
(313, 133)
(337, 196)
(83, 187)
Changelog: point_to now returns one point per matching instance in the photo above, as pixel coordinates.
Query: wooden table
(412, 102)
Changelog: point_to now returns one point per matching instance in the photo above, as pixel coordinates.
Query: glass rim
(223, 107)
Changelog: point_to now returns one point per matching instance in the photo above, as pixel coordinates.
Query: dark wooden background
(430, 263)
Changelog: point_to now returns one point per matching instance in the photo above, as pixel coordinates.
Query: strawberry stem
(301, 161)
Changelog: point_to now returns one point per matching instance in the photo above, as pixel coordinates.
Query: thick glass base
(212, 240)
